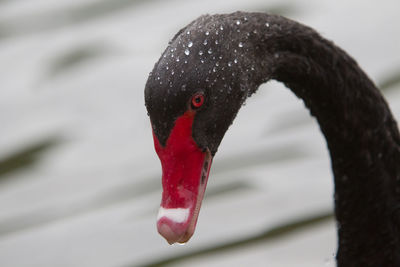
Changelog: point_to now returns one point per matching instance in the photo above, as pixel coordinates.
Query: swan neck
(361, 134)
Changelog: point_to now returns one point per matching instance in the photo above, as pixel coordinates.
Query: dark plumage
(228, 56)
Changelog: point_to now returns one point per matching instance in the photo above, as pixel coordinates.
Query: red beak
(185, 169)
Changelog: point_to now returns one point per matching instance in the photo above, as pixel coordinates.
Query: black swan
(205, 75)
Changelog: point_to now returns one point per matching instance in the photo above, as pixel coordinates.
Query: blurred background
(79, 178)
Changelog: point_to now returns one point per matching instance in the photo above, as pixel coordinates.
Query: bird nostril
(203, 178)
(205, 166)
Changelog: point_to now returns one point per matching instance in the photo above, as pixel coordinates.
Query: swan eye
(197, 100)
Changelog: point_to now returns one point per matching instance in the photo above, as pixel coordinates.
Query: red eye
(197, 100)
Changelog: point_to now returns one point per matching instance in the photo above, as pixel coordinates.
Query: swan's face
(174, 111)
(192, 96)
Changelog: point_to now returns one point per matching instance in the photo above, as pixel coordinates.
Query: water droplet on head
(172, 72)
(267, 24)
(190, 44)
(216, 42)
(205, 42)
(217, 64)
(187, 52)
(235, 60)
(202, 61)
(214, 69)
(238, 22)
(221, 28)
(201, 52)
(188, 32)
(207, 32)
(209, 51)
(240, 44)
(183, 87)
(177, 59)
(230, 64)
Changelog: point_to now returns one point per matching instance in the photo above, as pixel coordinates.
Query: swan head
(192, 97)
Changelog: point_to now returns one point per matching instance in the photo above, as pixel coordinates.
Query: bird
(204, 76)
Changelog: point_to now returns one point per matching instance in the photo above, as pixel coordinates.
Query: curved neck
(360, 131)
